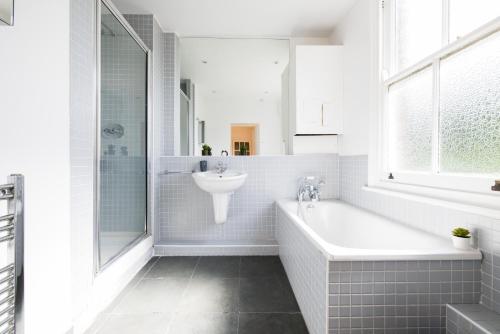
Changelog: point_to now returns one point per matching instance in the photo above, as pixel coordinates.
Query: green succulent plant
(461, 232)
(206, 150)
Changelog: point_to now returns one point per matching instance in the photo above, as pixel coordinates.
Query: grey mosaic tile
(404, 298)
(471, 319)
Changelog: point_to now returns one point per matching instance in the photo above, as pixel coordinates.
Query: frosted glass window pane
(467, 15)
(418, 30)
(410, 123)
(470, 109)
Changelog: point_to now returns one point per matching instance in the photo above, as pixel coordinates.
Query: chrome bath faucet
(309, 189)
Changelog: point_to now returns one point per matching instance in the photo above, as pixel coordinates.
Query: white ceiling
(239, 18)
(237, 68)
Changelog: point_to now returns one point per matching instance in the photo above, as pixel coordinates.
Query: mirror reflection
(231, 96)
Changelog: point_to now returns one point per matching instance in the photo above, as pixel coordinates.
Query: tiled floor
(206, 295)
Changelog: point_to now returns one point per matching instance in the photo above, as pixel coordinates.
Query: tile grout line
(169, 327)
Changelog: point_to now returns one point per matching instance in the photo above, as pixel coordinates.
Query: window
(441, 93)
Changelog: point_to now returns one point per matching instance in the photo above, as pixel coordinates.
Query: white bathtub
(345, 233)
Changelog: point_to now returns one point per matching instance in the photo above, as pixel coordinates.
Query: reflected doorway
(244, 139)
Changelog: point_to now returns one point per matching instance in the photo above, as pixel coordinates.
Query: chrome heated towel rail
(12, 256)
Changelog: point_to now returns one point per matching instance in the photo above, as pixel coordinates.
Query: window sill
(484, 205)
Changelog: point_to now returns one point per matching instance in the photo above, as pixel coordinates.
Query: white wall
(220, 112)
(34, 118)
(47, 106)
(354, 33)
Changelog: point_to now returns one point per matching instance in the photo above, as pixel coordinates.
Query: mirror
(231, 96)
(7, 12)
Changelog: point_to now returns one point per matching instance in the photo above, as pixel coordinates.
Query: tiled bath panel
(307, 269)
(186, 212)
(372, 296)
(432, 218)
(398, 296)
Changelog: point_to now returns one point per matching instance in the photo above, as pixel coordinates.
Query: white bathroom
(249, 167)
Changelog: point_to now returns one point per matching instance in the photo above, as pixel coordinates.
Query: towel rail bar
(6, 217)
(12, 274)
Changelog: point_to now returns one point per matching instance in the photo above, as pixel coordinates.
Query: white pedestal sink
(221, 186)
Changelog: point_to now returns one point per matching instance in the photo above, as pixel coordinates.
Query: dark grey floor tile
(269, 294)
(211, 295)
(271, 323)
(204, 323)
(144, 270)
(152, 296)
(173, 266)
(261, 266)
(218, 267)
(131, 285)
(155, 323)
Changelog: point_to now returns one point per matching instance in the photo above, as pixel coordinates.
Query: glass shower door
(122, 171)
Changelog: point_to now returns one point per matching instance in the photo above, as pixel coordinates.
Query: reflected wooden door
(243, 139)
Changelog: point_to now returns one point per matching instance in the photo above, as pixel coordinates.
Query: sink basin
(226, 182)
(221, 186)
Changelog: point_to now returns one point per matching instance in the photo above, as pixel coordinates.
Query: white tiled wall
(306, 268)
(166, 65)
(158, 117)
(82, 111)
(150, 32)
(186, 212)
(143, 26)
(432, 218)
(171, 79)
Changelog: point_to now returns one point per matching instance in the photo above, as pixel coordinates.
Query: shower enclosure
(122, 137)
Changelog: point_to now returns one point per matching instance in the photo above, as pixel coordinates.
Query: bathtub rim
(338, 253)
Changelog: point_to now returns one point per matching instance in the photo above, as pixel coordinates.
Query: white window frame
(466, 188)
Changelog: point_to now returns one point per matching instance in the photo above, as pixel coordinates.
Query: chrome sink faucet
(220, 168)
(310, 189)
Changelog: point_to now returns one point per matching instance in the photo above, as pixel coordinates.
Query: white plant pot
(461, 243)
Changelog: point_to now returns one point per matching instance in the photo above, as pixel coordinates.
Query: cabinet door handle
(322, 114)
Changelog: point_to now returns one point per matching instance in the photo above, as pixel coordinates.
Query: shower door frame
(98, 266)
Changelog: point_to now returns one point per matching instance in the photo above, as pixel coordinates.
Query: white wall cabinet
(317, 88)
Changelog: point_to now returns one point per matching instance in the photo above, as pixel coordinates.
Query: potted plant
(461, 238)
(243, 150)
(206, 150)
